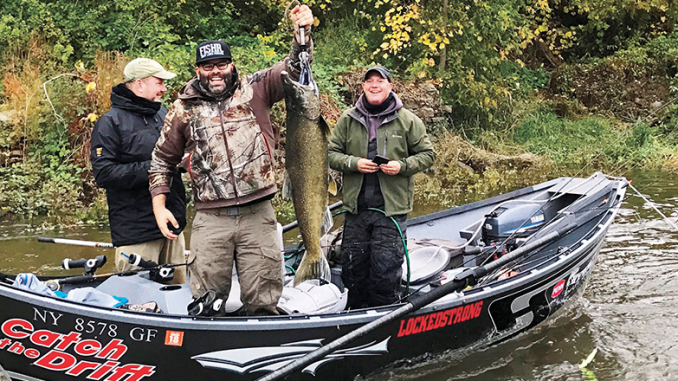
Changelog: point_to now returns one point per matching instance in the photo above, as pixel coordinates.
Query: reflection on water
(628, 312)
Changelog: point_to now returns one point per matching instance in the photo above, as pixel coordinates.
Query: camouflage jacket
(231, 141)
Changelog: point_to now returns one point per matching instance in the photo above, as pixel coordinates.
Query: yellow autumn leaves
(397, 21)
(91, 86)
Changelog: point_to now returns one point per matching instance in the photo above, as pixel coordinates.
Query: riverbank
(534, 145)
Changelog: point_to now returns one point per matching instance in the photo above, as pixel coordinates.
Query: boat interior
(439, 246)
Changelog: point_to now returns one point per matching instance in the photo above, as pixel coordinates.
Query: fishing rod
(76, 242)
(487, 252)
(490, 250)
(589, 215)
(654, 207)
(158, 273)
(107, 245)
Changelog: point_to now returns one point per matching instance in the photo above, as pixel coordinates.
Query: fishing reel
(162, 273)
(90, 265)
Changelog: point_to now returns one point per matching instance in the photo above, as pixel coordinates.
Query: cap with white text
(212, 50)
(145, 67)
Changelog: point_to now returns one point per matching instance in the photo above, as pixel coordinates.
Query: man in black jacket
(122, 142)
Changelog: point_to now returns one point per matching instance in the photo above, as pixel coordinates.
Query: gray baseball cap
(146, 67)
(382, 71)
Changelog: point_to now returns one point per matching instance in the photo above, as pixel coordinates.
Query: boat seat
(171, 299)
(429, 258)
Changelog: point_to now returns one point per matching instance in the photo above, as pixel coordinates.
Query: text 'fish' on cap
(212, 50)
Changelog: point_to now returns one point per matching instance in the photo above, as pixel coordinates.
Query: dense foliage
(564, 79)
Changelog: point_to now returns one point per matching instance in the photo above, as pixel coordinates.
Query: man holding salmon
(379, 146)
(224, 120)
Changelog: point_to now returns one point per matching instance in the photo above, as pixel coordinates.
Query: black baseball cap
(212, 50)
(382, 71)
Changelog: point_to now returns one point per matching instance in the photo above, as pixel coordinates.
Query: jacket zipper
(385, 141)
(228, 153)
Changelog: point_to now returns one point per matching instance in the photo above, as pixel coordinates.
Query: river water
(627, 313)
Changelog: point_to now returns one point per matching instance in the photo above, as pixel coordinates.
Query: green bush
(522, 80)
(26, 192)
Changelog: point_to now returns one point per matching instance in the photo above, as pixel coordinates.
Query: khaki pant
(160, 251)
(246, 237)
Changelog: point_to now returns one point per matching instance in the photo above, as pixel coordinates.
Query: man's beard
(217, 90)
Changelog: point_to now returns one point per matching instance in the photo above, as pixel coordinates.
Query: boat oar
(460, 282)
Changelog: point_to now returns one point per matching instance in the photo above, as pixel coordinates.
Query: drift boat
(513, 261)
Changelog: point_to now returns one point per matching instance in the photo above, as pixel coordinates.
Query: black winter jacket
(122, 143)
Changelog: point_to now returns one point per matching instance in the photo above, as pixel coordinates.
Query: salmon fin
(332, 187)
(328, 222)
(313, 268)
(324, 127)
(287, 187)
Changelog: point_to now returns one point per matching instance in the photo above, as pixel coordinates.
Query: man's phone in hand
(379, 160)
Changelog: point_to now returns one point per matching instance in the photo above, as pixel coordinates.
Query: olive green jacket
(404, 136)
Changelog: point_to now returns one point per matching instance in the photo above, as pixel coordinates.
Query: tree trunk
(443, 51)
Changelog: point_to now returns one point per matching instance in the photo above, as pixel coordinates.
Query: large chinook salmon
(306, 164)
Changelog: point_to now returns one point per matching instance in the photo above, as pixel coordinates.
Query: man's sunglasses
(211, 66)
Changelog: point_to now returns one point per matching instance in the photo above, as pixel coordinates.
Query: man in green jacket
(379, 146)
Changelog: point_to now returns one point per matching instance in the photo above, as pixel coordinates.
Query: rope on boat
(654, 207)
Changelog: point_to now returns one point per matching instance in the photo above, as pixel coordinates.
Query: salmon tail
(313, 268)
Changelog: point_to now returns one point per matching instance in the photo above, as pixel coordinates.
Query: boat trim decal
(269, 359)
